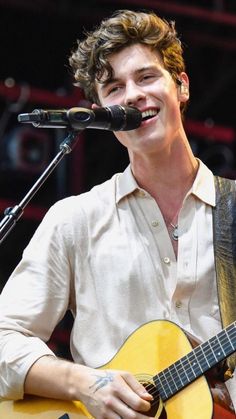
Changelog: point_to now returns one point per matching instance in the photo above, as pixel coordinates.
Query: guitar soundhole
(157, 408)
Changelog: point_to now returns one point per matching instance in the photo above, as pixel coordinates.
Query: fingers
(116, 408)
(128, 398)
(134, 394)
(137, 387)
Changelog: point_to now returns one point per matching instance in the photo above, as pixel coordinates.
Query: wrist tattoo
(102, 381)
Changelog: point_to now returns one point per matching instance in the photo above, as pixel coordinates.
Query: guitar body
(149, 350)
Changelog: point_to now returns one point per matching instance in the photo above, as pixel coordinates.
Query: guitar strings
(180, 372)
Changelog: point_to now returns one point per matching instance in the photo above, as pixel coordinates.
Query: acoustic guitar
(160, 355)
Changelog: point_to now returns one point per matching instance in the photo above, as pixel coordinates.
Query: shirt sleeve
(33, 301)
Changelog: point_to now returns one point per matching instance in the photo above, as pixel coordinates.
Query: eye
(113, 90)
(147, 77)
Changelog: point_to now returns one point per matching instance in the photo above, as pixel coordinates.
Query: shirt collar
(126, 184)
(203, 186)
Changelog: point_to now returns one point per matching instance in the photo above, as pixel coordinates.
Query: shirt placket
(162, 253)
(186, 265)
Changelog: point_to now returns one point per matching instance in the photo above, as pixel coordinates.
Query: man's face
(140, 80)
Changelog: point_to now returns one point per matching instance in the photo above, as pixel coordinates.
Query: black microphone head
(124, 118)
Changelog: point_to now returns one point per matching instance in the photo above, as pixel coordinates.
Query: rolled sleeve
(18, 354)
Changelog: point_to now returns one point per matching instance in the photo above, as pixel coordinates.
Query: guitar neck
(196, 363)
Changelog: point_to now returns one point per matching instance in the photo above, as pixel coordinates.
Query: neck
(165, 173)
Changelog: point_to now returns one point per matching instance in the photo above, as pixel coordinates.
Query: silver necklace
(174, 232)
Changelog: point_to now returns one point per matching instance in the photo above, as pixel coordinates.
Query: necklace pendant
(175, 233)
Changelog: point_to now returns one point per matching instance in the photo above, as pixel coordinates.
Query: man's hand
(110, 394)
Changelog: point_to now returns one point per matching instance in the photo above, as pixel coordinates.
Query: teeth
(149, 113)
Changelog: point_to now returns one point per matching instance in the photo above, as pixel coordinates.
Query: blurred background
(36, 38)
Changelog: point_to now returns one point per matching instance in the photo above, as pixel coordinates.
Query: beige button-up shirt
(108, 257)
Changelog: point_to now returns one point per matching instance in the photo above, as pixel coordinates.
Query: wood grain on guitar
(160, 355)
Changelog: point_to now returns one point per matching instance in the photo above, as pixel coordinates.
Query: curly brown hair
(89, 61)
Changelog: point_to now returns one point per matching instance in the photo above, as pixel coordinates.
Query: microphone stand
(12, 215)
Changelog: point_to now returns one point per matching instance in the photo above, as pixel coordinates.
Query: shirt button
(141, 193)
(155, 223)
(178, 304)
(166, 260)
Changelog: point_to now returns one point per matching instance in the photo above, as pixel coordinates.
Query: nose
(133, 94)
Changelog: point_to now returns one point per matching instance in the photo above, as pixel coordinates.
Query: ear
(183, 87)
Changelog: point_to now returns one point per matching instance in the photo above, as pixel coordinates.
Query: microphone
(113, 118)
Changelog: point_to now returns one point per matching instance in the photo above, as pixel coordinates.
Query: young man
(135, 249)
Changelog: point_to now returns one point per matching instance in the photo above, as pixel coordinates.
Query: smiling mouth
(150, 113)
